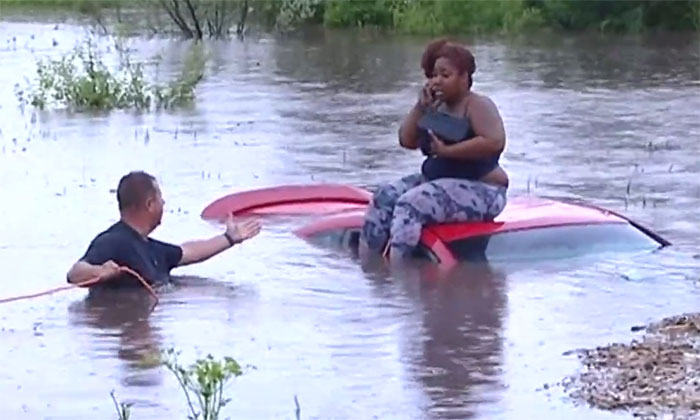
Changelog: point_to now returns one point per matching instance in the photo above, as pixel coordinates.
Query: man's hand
(109, 270)
(242, 231)
(82, 271)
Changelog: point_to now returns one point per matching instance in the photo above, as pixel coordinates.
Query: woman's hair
(458, 55)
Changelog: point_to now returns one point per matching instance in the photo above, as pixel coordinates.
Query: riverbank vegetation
(219, 18)
(436, 16)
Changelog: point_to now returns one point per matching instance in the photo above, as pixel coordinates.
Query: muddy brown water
(613, 121)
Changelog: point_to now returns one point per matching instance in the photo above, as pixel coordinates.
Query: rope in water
(86, 283)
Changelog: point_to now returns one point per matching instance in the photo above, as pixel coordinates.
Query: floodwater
(613, 121)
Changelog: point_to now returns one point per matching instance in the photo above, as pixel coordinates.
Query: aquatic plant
(288, 14)
(203, 382)
(123, 409)
(81, 80)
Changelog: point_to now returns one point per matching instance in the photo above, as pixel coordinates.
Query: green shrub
(479, 16)
(360, 13)
(80, 80)
(203, 382)
(620, 15)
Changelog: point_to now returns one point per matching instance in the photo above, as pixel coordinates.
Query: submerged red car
(528, 227)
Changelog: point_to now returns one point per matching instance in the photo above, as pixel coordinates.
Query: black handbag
(446, 127)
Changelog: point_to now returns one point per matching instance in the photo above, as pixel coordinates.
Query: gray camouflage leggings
(399, 210)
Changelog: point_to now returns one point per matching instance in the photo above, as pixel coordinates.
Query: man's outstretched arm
(203, 249)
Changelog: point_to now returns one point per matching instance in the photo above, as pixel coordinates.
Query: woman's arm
(408, 132)
(490, 137)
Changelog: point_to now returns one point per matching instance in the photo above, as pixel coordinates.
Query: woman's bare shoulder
(480, 102)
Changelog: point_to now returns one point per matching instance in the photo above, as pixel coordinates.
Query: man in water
(126, 243)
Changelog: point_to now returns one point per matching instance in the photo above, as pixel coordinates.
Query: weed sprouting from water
(297, 408)
(80, 80)
(123, 409)
(203, 382)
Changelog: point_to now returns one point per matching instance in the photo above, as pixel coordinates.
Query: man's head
(139, 197)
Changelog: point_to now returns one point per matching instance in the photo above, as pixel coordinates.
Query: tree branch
(174, 13)
(195, 20)
(244, 16)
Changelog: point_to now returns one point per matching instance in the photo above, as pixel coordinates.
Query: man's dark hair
(134, 189)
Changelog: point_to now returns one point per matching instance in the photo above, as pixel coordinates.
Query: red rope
(90, 282)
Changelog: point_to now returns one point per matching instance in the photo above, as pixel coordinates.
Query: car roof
(528, 213)
(289, 199)
(520, 213)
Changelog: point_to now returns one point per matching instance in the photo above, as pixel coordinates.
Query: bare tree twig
(195, 19)
(174, 13)
(244, 16)
(176, 10)
(221, 18)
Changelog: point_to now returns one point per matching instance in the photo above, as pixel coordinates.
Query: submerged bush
(287, 14)
(433, 17)
(362, 12)
(80, 80)
(203, 382)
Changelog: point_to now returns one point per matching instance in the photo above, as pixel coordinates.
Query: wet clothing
(399, 210)
(151, 258)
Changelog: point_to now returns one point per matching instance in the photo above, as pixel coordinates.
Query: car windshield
(552, 242)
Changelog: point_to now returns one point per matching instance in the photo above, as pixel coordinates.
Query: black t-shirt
(151, 258)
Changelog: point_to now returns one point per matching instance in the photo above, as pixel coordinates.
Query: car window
(552, 242)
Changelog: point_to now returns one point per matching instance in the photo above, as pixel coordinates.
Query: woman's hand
(408, 132)
(426, 97)
(438, 147)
